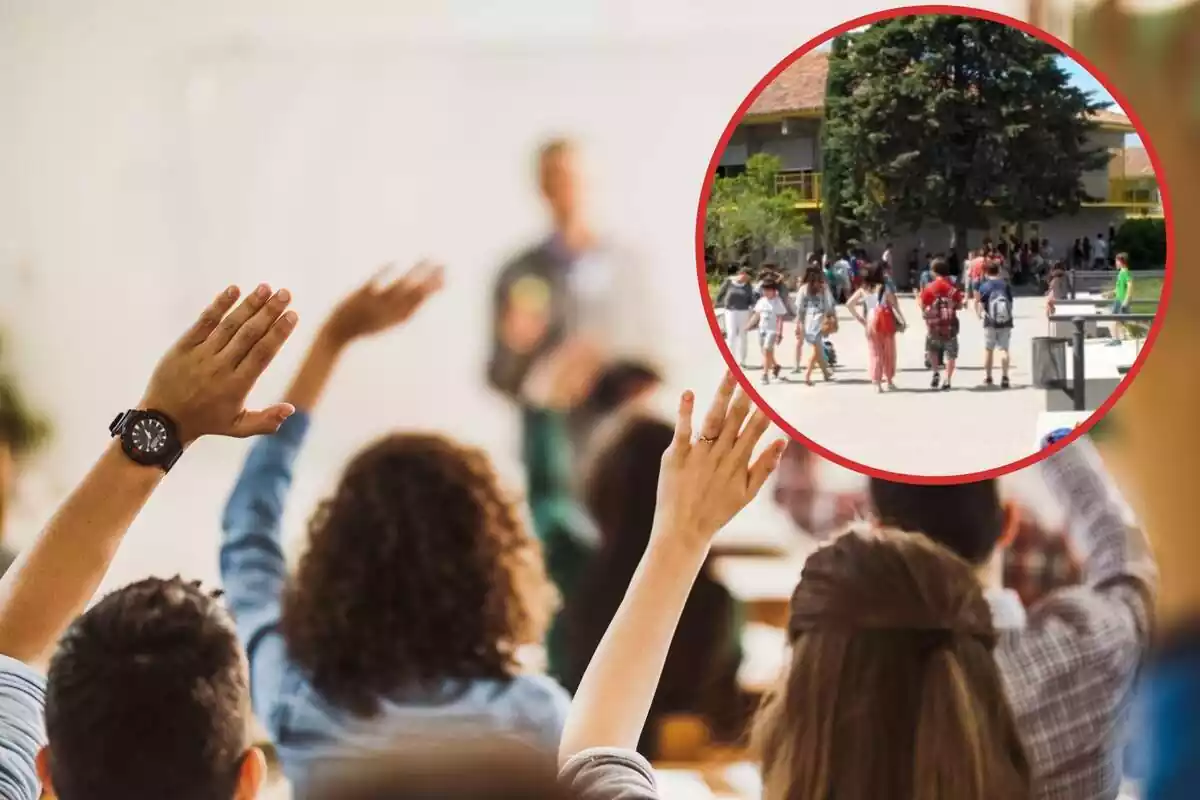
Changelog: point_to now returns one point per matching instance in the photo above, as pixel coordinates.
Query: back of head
(992, 270)
(892, 690)
(620, 492)
(940, 267)
(966, 518)
(416, 522)
(491, 769)
(876, 275)
(813, 276)
(147, 698)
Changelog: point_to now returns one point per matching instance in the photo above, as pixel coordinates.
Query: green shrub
(1145, 240)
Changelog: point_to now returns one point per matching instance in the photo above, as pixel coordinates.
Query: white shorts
(768, 339)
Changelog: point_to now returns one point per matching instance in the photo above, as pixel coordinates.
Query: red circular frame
(710, 311)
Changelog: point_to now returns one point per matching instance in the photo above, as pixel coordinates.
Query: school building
(785, 121)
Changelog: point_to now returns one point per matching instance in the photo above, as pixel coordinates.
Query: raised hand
(380, 304)
(203, 380)
(703, 484)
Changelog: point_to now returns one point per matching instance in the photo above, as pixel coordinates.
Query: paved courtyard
(915, 430)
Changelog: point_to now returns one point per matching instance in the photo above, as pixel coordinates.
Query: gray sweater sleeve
(608, 774)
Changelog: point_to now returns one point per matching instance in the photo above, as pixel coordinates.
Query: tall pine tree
(941, 116)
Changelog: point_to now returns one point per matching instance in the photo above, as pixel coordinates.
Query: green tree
(944, 116)
(835, 227)
(749, 216)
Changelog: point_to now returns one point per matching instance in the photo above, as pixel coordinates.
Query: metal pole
(1071, 282)
(1078, 380)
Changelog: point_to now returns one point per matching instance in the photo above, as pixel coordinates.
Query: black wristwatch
(148, 437)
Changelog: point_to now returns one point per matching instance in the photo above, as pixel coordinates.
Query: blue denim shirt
(22, 729)
(305, 729)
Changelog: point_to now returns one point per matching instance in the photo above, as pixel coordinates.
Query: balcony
(804, 183)
(1140, 192)
(1134, 193)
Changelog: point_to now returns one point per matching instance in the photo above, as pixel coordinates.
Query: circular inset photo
(935, 246)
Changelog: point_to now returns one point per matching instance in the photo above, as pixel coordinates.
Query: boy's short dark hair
(940, 267)
(147, 697)
(770, 285)
(992, 268)
(966, 518)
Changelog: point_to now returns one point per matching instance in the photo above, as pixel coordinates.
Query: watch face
(149, 435)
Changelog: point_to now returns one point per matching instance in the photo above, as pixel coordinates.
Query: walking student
(940, 302)
(737, 296)
(994, 305)
(767, 312)
(874, 305)
(1122, 296)
(816, 315)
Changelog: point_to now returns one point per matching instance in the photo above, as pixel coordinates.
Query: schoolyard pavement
(914, 430)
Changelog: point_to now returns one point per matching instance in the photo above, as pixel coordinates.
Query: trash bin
(1050, 362)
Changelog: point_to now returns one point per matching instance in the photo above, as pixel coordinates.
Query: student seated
(147, 692)
(1069, 662)
(700, 676)
(892, 690)
(417, 589)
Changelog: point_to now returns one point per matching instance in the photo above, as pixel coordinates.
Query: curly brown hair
(418, 571)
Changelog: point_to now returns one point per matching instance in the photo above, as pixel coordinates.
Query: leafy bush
(1145, 240)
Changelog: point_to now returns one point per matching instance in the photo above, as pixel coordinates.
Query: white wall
(153, 151)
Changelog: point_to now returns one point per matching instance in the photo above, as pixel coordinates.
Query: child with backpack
(994, 305)
(940, 302)
(880, 315)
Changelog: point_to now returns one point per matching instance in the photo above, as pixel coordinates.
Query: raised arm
(201, 385)
(1083, 645)
(702, 485)
(253, 568)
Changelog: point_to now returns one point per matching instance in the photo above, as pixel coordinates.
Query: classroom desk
(763, 584)
(724, 776)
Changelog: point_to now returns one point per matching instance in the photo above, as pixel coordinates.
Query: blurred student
(994, 306)
(417, 589)
(700, 674)
(147, 690)
(1070, 661)
(21, 433)
(736, 296)
(568, 533)
(767, 316)
(880, 621)
(1100, 252)
(939, 303)
(815, 511)
(876, 308)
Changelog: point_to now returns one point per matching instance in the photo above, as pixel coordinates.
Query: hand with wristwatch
(200, 384)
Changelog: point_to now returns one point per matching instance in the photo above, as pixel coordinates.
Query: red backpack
(883, 318)
(941, 317)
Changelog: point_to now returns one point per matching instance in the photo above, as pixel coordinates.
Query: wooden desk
(763, 584)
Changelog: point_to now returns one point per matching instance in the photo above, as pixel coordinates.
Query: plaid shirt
(1069, 672)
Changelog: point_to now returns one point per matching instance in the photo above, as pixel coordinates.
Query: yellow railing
(804, 183)
(1133, 191)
